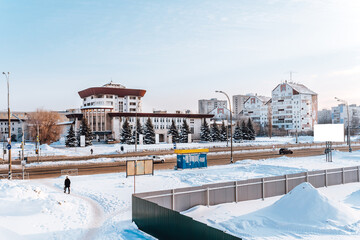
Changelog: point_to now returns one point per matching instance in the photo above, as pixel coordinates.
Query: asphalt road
(220, 159)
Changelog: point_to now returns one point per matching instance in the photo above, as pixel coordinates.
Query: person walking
(67, 185)
(91, 151)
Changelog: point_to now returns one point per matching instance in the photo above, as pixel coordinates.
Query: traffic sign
(9, 146)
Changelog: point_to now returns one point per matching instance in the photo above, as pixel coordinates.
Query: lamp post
(348, 121)
(7, 75)
(231, 137)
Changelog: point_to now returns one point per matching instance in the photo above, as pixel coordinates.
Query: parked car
(285, 151)
(157, 159)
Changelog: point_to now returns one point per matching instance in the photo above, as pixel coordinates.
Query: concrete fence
(182, 199)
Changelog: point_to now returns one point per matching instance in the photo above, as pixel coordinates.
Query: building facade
(17, 121)
(238, 103)
(257, 108)
(106, 109)
(339, 114)
(206, 106)
(99, 101)
(294, 107)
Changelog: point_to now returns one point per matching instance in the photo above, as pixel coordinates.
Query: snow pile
(33, 212)
(303, 211)
(354, 199)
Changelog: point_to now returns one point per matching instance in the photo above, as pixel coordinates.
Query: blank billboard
(329, 132)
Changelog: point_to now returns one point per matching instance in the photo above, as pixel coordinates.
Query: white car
(157, 159)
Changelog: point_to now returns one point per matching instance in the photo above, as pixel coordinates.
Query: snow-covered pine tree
(205, 132)
(149, 132)
(244, 131)
(85, 131)
(173, 131)
(215, 132)
(223, 132)
(184, 132)
(139, 130)
(251, 130)
(238, 136)
(71, 140)
(126, 133)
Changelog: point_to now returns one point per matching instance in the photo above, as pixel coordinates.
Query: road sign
(8, 139)
(8, 146)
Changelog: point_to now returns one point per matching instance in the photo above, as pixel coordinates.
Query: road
(222, 158)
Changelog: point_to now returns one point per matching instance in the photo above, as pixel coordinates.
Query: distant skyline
(179, 51)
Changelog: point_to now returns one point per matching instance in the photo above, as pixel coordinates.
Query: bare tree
(46, 124)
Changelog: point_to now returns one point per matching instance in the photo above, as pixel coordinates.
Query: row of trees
(216, 134)
(129, 137)
(73, 139)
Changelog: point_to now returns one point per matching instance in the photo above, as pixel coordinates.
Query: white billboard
(329, 132)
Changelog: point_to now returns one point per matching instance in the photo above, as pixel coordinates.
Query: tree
(184, 132)
(174, 132)
(13, 138)
(47, 123)
(126, 133)
(138, 130)
(244, 131)
(71, 140)
(85, 130)
(250, 129)
(238, 136)
(215, 132)
(205, 132)
(149, 132)
(223, 132)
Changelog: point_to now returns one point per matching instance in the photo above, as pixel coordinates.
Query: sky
(179, 51)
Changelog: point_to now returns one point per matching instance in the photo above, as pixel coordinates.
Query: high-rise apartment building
(294, 107)
(206, 106)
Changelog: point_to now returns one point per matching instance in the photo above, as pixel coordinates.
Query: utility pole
(348, 122)
(7, 75)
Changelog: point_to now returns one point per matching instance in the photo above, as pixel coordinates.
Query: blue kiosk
(191, 158)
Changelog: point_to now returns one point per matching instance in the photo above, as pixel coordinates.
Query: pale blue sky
(179, 51)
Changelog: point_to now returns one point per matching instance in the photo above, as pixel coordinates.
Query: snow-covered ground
(57, 149)
(99, 206)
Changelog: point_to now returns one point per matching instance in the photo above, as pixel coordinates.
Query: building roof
(263, 99)
(167, 115)
(300, 88)
(121, 92)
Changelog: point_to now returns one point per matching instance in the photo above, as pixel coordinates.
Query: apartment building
(339, 114)
(294, 107)
(207, 105)
(238, 103)
(257, 108)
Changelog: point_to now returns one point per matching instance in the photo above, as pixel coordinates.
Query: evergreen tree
(184, 132)
(139, 131)
(85, 131)
(173, 131)
(149, 132)
(126, 133)
(245, 131)
(215, 132)
(205, 132)
(71, 140)
(251, 131)
(223, 132)
(238, 136)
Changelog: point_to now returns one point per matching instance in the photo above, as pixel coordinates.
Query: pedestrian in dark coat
(67, 185)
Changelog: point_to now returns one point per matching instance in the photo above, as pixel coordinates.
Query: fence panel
(274, 186)
(164, 223)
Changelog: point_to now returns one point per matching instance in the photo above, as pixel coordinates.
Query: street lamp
(348, 122)
(7, 75)
(231, 142)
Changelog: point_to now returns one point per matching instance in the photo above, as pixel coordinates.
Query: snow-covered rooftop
(301, 88)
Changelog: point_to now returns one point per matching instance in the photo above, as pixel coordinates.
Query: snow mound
(306, 205)
(354, 199)
(303, 211)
